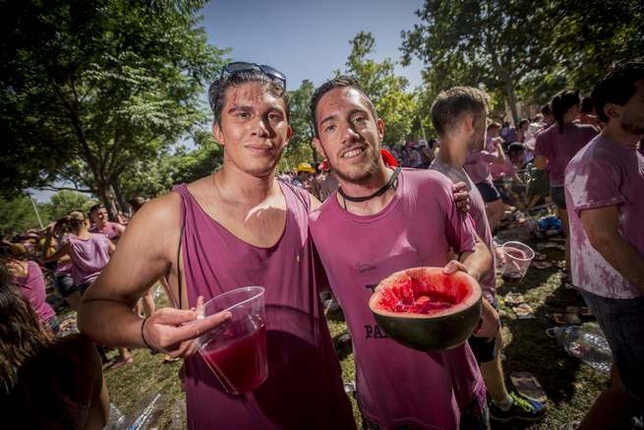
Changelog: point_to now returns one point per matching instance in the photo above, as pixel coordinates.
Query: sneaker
(522, 408)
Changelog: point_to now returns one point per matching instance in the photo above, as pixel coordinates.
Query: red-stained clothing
(398, 385)
(32, 287)
(304, 389)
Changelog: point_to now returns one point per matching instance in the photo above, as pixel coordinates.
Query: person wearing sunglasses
(236, 227)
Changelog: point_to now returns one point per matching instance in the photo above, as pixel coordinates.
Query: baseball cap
(305, 167)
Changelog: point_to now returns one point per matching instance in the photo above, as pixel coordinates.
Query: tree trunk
(512, 101)
(120, 197)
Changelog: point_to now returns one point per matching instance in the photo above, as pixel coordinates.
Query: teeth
(352, 154)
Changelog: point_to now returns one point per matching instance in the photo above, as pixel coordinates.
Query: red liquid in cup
(242, 363)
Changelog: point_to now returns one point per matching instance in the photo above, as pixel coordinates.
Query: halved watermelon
(426, 309)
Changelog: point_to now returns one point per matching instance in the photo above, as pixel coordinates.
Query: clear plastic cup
(236, 350)
(518, 257)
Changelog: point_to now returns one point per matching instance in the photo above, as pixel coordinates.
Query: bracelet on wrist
(154, 350)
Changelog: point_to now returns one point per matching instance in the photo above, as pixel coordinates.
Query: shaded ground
(570, 384)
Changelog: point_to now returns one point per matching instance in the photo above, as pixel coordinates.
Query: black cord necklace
(390, 183)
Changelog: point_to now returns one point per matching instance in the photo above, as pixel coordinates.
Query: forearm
(622, 256)
(110, 322)
(477, 262)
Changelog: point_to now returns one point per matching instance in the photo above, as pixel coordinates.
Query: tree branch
(52, 188)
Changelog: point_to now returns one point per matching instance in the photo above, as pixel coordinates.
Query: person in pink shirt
(102, 224)
(455, 113)
(556, 146)
(28, 276)
(477, 167)
(236, 227)
(604, 193)
(89, 253)
(379, 221)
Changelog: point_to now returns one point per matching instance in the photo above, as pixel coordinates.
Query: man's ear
(612, 110)
(217, 134)
(318, 147)
(289, 134)
(380, 125)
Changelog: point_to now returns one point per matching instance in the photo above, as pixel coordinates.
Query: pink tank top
(304, 388)
(32, 288)
(89, 257)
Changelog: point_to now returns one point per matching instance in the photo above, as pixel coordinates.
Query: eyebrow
(351, 113)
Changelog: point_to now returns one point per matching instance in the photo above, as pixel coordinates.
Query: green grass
(570, 384)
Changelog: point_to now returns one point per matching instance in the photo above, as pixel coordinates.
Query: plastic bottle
(149, 412)
(116, 421)
(586, 343)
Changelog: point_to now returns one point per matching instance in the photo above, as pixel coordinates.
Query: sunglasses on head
(236, 67)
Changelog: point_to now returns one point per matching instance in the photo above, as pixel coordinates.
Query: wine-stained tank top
(304, 388)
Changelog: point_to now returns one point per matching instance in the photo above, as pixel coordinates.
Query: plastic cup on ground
(236, 350)
(518, 257)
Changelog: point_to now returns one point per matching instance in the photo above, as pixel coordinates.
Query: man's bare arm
(601, 226)
(479, 261)
(145, 253)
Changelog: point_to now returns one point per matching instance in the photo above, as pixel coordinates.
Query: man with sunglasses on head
(236, 227)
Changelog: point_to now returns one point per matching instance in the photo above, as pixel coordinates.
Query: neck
(616, 134)
(243, 188)
(377, 193)
(450, 153)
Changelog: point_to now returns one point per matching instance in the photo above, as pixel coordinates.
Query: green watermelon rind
(439, 331)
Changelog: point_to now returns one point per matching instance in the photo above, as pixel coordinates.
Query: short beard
(361, 177)
(632, 128)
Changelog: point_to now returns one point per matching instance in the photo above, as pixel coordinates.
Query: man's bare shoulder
(163, 211)
(156, 224)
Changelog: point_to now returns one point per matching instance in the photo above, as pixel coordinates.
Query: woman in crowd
(28, 276)
(89, 253)
(557, 145)
(46, 382)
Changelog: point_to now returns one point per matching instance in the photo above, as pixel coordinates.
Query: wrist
(145, 342)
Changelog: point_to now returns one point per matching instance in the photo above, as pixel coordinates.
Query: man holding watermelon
(382, 221)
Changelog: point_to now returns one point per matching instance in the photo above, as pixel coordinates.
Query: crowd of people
(323, 227)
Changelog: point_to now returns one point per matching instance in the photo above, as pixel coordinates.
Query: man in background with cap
(304, 179)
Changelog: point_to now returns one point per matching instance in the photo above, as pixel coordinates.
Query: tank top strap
(182, 189)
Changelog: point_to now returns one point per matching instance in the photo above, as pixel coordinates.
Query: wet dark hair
(218, 90)
(587, 106)
(561, 103)
(617, 87)
(337, 82)
(136, 203)
(96, 207)
(546, 110)
(451, 104)
(70, 222)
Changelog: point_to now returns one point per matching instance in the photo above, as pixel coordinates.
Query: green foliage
(490, 43)
(386, 90)
(103, 85)
(518, 48)
(65, 201)
(300, 148)
(17, 215)
(192, 165)
(591, 35)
